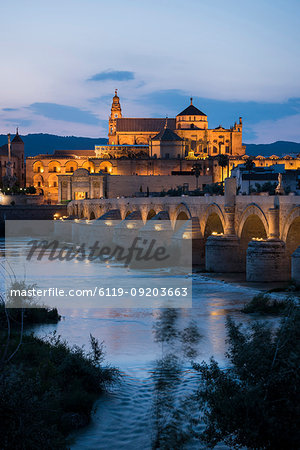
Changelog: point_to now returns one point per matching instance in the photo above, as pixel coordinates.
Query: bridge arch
(178, 215)
(291, 231)
(256, 211)
(180, 219)
(213, 220)
(253, 224)
(81, 213)
(75, 210)
(294, 214)
(92, 215)
(151, 213)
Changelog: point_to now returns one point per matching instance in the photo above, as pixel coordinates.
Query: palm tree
(196, 170)
(249, 165)
(223, 161)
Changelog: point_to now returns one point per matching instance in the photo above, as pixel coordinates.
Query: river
(124, 417)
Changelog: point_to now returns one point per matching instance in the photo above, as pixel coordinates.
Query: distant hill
(278, 148)
(47, 143)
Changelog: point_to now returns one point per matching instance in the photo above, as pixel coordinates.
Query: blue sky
(62, 60)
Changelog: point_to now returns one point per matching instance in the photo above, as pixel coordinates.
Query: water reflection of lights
(186, 236)
(130, 226)
(158, 227)
(108, 223)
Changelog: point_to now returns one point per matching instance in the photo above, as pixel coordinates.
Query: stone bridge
(230, 222)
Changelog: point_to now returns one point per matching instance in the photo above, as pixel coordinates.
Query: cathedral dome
(191, 118)
(167, 135)
(191, 110)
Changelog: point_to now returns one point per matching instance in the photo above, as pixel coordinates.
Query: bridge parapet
(269, 216)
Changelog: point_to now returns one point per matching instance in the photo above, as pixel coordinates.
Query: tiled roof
(17, 138)
(68, 153)
(191, 111)
(142, 124)
(167, 135)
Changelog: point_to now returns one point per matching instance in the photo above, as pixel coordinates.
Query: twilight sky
(62, 60)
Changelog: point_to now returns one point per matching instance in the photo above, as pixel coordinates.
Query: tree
(223, 161)
(30, 190)
(249, 165)
(196, 170)
(254, 403)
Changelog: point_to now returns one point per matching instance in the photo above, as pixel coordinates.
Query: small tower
(116, 113)
(17, 149)
(191, 117)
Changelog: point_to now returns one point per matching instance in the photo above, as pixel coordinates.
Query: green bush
(47, 390)
(255, 403)
(264, 304)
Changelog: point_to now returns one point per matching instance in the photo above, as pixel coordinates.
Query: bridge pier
(273, 216)
(222, 254)
(266, 261)
(296, 266)
(125, 232)
(188, 239)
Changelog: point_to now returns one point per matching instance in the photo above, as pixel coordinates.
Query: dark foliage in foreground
(31, 316)
(47, 390)
(256, 402)
(264, 304)
(24, 308)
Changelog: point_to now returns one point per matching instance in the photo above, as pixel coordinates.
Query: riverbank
(47, 388)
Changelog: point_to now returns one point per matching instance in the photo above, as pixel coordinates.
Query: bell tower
(116, 113)
(17, 149)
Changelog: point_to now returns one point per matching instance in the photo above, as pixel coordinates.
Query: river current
(124, 417)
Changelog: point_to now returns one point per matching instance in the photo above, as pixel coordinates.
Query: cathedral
(143, 155)
(188, 133)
